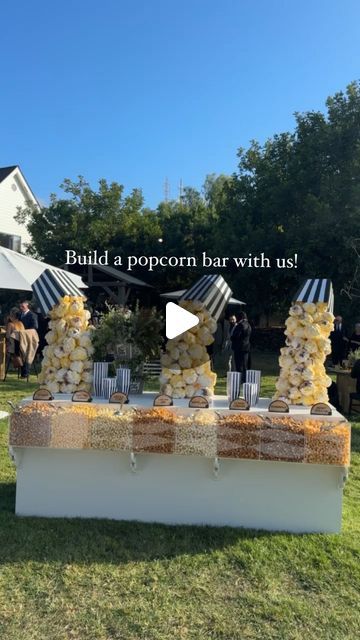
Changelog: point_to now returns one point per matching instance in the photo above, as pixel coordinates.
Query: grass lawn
(105, 580)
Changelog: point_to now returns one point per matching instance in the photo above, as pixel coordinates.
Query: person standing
(355, 338)
(240, 340)
(13, 346)
(338, 341)
(230, 326)
(30, 321)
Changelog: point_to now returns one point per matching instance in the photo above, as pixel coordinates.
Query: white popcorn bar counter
(181, 466)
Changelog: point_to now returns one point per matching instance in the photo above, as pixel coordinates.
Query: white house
(14, 192)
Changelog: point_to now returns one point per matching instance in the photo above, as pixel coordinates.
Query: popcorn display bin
(179, 465)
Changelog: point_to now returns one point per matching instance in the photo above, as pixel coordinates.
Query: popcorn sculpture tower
(186, 367)
(67, 364)
(303, 379)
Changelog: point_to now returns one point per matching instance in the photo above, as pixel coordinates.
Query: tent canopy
(176, 295)
(18, 272)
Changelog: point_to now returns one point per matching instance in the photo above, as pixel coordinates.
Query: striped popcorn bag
(101, 370)
(123, 376)
(252, 375)
(233, 384)
(250, 390)
(109, 386)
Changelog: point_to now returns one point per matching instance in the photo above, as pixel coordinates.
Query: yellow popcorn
(190, 391)
(309, 307)
(190, 376)
(51, 337)
(205, 337)
(53, 387)
(77, 366)
(178, 393)
(85, 341)
(69, 345)
(165, 360)
(189, 338)
(196, 351)
(174, 353)
(185, 361)
(78, 354)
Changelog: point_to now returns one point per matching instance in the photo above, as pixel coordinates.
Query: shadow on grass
(87, 541)
(7, 496)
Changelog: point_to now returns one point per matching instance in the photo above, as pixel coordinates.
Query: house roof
(121, 276)
(5, 171)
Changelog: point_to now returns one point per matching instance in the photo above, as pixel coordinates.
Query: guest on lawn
(30, 321)
(240, 340)
(338, 341)
(229, 326)
(13, 324)
(355, 338)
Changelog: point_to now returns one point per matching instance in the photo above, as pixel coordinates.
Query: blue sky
(137, 91)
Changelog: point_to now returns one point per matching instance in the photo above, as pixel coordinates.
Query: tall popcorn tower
(303, 379)
(67, 363)
(186, 366)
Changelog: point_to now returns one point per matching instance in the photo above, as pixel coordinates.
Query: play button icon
(178, 320)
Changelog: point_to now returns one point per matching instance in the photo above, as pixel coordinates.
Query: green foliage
(121, 327)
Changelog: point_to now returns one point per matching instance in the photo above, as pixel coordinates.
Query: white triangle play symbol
(178, 320)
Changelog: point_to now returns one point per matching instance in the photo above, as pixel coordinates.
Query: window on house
(10, 242)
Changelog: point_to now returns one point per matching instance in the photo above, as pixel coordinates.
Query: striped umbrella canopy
(316, 290)
(212, 291)
(52, 285)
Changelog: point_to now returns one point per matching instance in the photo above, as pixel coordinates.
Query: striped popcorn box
(250, 391)
(233, 384)
(212, 291)
(316, 290)
(109, 386)
(101, 370)
(252, 375)
(51, 286)
(123, 376)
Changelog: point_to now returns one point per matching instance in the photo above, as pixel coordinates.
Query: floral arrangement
(186, 367)
(303, 379)
(352, 357)
(129, 336)
(67, 364)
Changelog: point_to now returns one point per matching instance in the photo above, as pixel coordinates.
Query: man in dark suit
(30, 321)
(338, 341)
(240, 341)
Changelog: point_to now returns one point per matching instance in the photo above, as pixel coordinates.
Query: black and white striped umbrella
(316, 290)
(52, 285)
(212, 291)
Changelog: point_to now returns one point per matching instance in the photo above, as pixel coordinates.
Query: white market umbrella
(18, 272)
(175, 295)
